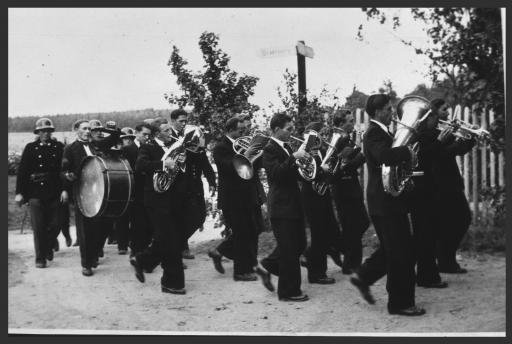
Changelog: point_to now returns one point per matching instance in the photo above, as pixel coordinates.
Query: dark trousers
(44, 217)
(90, 233)
(122, 229)
(107, 231)
(169, 224)
(319, 213)
(141, 228)
(195, 212)
(455, 218)
(64, 220)
(354, 222)
(242, 245)
(425, 226)
(394, 257)
(284, 260)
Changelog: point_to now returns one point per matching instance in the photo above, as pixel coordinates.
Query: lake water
(17, 141)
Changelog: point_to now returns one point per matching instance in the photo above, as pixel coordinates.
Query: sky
(80, 60)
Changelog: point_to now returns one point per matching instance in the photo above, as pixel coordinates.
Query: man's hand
(445, 134)
(18, 199)
(213, 189)
(70, 176)
(300, 154)
(64, 198)
(170, 163)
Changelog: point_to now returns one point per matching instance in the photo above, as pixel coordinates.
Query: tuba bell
(248, 149)
(411, 111)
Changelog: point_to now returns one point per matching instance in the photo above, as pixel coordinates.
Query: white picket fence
(481, 168)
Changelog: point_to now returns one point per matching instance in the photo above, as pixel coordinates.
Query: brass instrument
(248, 149)
(411, 111)
(193, 141)
(308, 167)
(464, 130)
(339, 140)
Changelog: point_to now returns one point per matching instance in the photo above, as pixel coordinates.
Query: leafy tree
(465, 48)
(356, 100)
(319, 107)
(216, 93)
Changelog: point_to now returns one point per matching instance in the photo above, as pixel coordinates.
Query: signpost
(303, 51)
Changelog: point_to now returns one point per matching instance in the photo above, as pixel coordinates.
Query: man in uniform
(38, 183)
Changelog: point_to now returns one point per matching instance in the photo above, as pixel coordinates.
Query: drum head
(91, 187)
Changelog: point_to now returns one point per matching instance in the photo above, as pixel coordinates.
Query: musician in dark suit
(395, 256)
(38, 184)
(348, 197)
(241, 207)
(141, 228)
(453, 204)
(285, 209)
(424, 205)
(165, 211)
(89, 230)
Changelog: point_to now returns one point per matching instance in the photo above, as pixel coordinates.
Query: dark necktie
(288, 148)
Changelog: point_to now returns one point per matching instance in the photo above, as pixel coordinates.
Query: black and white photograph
(257, 171)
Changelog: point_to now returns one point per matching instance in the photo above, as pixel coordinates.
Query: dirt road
(59, 297)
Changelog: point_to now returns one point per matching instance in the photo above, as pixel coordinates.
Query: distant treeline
(65, 122)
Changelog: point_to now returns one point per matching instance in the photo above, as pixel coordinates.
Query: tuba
(248, 149)
(339, 140)
(193, 141)
(411, 111)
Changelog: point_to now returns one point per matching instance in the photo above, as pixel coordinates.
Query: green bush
(13, 162)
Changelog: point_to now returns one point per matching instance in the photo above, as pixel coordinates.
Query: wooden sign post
(303, 51)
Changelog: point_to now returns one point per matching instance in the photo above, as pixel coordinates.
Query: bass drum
(105, 187)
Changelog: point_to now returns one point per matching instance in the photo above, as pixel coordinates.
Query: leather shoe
(411, 311)
(68, 241)
(247, 277)
(139, 273)
(76, 244)
(298, 298)
(347, 271)
(49, 255)
(87, 272)
(217, 260)
(101, 253)
(95, 264)
(265, 278)
(322, 280)
(187, 255)
(169, 290)
(438, 285)
(364, 289)
(40, 265)
(122, 251)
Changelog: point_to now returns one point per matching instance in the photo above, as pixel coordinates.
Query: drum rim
(105, 181)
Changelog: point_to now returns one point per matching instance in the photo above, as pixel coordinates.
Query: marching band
(147, 184)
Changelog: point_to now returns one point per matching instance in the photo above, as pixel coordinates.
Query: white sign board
(304, 50)
(276, 52)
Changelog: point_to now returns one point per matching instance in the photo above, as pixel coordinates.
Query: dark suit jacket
(43, 160)
(446, 172)
(130, 153)
(234, 192)
(72, 158)
(378, 151)
(284, 198)
(197, 165)
(148, 161)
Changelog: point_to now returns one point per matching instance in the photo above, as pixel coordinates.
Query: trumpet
(248, 149)
(464, 130)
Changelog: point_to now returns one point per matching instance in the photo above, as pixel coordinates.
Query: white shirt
(86, 147)
(385, 128)
(137, 143)
(281, 143)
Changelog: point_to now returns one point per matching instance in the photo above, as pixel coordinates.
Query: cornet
(464, 130)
